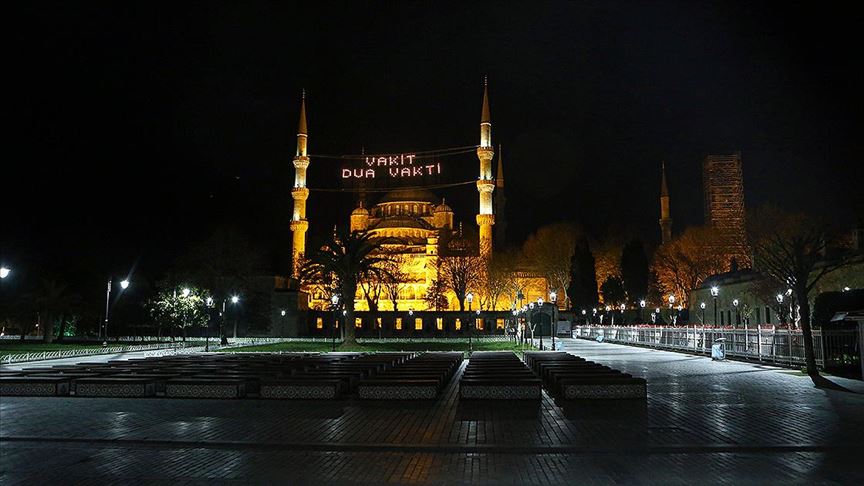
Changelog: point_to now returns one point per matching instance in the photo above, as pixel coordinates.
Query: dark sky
(138, 128)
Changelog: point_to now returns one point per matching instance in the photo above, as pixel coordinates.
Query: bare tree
(685, 262)
(791, 249)
(550, 250)
(394, 284)
(460, 270)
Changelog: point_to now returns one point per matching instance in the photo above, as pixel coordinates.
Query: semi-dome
(360, 211)
(409, 195)
(443, 208)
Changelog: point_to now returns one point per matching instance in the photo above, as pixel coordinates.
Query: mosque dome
(409, 195)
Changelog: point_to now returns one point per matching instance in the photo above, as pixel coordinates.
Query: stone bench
(301, 389)
(603, 388)
(398, 389)
(209, 388)
(29, 386)
(501, 388)
(115, 387)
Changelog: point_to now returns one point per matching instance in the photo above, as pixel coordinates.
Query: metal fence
(778, 346)
(74, 353)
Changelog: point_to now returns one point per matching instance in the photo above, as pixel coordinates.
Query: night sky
(138, 129)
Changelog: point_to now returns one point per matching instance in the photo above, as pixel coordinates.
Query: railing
(778, 346)
(74, 353)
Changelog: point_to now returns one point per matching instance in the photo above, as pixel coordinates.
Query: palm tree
(348, 259)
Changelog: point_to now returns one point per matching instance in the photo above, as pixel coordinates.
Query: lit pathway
(704, 422)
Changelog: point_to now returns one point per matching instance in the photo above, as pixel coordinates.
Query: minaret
(500, 202)
(665, 218)
(485, 183)
(299, 224)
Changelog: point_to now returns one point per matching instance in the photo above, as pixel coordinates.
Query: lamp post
(671, 303)
(702, 306)
(185, 294)
(234, 300)
(4, 272)
(737, 315)
(593, 315)
(553, 297)
(623, 309)
(531, 324)
(124, 284)
(470, 298)
(781, 315)
(209, 302)
(641, 309)
(335, 301)
(714, 293)
(515, 326)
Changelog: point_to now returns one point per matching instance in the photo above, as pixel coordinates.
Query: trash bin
(718, 350)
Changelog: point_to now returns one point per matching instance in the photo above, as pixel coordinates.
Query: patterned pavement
(704, 421)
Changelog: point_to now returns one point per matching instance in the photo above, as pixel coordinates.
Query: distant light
(553, 296)
(283, 313)
(478, 312)
(642, 304)
(846, 289)
(583, 312)
(657, 310)
(4, 272)
(702, 305)
(779, 298)
(608, 308)
(671, 299)
(335, 299)
(469, 297)
(209, 301)
(715, 291)
(344, 312)
(623, 307)
(235, 299)
(124, 284)
(539, 300)
(735, 302)
(788, 291)
(186, 292)
(531, 306)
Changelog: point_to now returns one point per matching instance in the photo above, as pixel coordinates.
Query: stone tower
(723, 180)
(500, 202)
(665, 218)
(299, 224)
(485, 183)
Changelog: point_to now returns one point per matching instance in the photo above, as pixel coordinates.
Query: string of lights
(425, 154)
(400, 188)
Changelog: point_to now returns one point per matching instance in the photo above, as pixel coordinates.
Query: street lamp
(335, 301)
(234, 300)
(4, 272)
(123, 286)
(185, 293)
(737, 315)
(641, 309)
(209, 303)
(714, 293)
(781, 315)
(553, 297)
(702, 306)
(470, 298)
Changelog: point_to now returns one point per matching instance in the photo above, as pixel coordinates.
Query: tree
(685, 262)
(350, 258)
(497, 270)
(224, 264)
(635, 271)
(582, 286)
(790, 249)
(396, 279)
(53, 300)
(460, 272)
(436, 294)
(179, 309)
(550, 250)
(613, 291)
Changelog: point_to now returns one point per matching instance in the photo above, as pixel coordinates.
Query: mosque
(417, 224)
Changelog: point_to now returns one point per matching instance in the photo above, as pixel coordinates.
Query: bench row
(570, 377)
(494, 375)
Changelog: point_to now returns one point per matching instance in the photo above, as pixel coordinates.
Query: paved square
(704, 421)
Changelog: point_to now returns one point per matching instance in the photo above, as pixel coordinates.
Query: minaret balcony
(301, 162)
(300, 193)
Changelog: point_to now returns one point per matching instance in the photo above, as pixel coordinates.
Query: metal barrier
(778, 346)
(74, 353)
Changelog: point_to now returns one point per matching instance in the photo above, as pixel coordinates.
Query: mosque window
(418, 323)
(319, 323)
(398, 323)
(439, 323)
(358, 322)
(499, 323)
(479, 322)
(458, 324)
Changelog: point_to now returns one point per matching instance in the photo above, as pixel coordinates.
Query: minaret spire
(485, 183)
(665, 218)
(299, 224)
(500, 202)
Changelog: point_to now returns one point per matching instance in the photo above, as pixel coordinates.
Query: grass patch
(379, 347)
